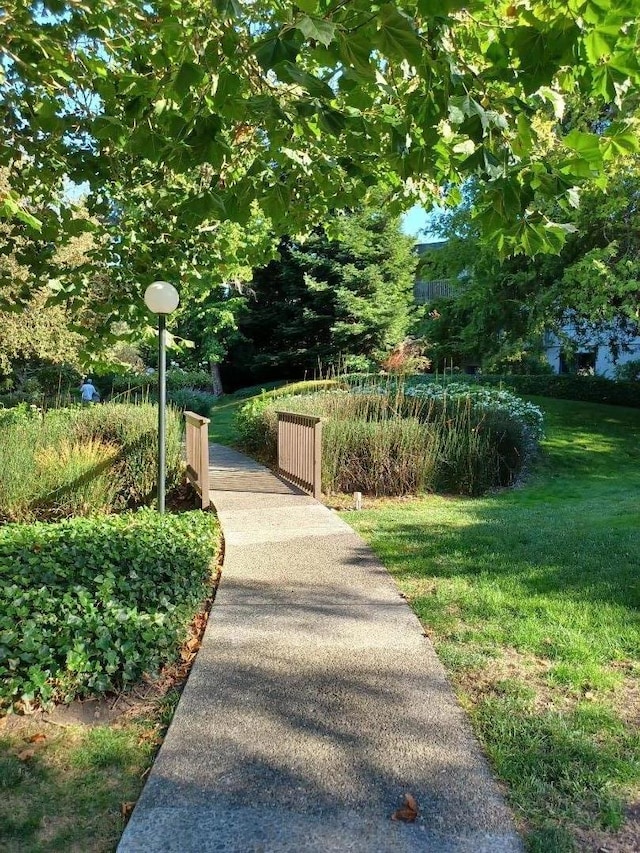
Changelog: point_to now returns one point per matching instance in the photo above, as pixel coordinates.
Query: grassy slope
(222, 429)
(532, 599)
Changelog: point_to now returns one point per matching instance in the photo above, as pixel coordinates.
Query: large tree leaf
(397, 37)
(356, 52)
(274, 50)
(316, 29)
(587, 145)
(11, 208)
(291, 73)
(332, 121)
(541, 50)
(229, 8)
(188, 77)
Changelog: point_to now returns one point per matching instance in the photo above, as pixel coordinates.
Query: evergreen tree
(341, 298)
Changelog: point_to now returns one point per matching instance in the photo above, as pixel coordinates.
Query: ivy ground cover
(91, 605)
(88, 606)
(532, 598)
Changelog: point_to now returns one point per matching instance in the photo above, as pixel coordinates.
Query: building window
(583, 363)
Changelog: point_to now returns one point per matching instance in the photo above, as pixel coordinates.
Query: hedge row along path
(315, 702)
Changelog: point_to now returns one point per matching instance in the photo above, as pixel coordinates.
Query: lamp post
(161, 298)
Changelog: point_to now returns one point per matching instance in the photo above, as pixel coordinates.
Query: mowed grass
(532, 598)
(222, 429)
(70, 787)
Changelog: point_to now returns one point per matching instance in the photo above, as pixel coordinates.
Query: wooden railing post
(197, 453)
(317, 460)
(203, 472)
(300, 451)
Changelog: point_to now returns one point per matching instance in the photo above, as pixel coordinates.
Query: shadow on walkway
(314, 704)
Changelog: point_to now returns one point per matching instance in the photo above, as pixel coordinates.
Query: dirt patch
(513, 666)
(624, 699)
(531, 671)
(183, 498)
(625, 840)
(626, 696)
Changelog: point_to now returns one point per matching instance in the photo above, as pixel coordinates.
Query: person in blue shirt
(89, 392)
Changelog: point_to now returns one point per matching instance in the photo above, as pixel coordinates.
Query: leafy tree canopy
(593, 284)
(213, 291)
(41, 329)
(206, 107)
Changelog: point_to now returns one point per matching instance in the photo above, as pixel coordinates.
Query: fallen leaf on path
(408, 812)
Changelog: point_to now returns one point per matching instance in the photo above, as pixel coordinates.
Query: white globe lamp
(161, 297)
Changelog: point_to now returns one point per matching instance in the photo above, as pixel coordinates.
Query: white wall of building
(596, 341)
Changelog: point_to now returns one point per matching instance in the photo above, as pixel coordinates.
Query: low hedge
(588, 389)
(253, 435)
(90, 605)
(191, 400)
(177, 380)
(188, 399)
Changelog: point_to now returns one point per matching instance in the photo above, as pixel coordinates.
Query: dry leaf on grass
(408, 812)
(37, 738)
(38, 741)
(25, 754)
(126, 809)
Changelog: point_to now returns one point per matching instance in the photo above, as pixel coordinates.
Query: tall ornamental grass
(382, 441)
(82, 461)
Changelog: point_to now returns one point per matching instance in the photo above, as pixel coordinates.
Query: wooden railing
(197, 441)
(300, 451)
(426, 291)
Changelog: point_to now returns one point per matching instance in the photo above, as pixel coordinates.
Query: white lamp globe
(161, 297)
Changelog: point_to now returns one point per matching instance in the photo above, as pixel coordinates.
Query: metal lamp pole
(162, 408)
(161, 298)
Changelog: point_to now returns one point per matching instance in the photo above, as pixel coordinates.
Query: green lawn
(222, 429)
(532, 599)
(69, 787)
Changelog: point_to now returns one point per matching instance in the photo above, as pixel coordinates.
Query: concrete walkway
(314, 704)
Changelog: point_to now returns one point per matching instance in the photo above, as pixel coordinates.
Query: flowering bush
(495, 400)
(405, 358)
